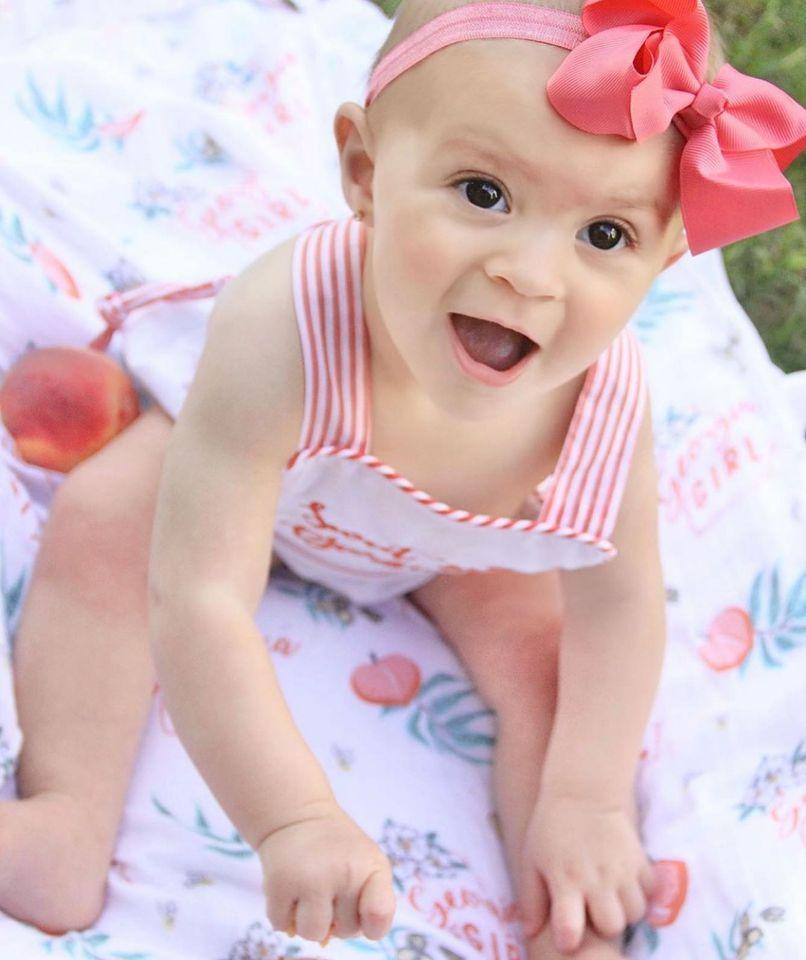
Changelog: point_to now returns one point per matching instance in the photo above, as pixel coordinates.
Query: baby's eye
(481, 193)
(606, 235)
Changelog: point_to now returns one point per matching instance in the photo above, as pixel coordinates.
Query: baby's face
(486, 203)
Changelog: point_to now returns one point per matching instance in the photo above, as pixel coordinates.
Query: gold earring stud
(359, 215)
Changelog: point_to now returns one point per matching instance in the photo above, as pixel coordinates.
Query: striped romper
(350, 522)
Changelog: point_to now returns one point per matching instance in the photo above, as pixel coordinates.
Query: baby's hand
(580, 853)
(323, 877)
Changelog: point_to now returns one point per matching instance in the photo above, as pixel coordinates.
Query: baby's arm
(210, 561)
(581, 834)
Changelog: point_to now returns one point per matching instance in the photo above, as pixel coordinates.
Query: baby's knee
(103, 510)
(514, 667)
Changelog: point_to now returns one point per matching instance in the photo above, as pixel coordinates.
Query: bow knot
(641, 68)
(708, 104)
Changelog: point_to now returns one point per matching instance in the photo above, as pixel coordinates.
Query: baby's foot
(53, 862)
(593, 947)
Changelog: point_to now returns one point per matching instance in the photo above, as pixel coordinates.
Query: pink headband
(635, 67)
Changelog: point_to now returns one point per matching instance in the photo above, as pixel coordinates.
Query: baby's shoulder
(250, 378)
(260, 299)
(254, 316)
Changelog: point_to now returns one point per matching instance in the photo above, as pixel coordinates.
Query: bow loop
(684, 19)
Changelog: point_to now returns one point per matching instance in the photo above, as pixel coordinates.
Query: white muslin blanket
(175, 141)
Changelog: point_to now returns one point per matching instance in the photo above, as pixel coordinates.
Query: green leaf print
(229, 846)
(17, 233)
(61, 109)
(779, 635)
(439, 718)
(755, 595)
(441, 704)
(769, 660)
(437, 679)
(201, 820)
(413, 727)
(775, 598)
(12, 604)
(796, 601)
(96, 939)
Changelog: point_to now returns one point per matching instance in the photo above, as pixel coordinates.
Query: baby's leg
(84, 682)
(506, 628)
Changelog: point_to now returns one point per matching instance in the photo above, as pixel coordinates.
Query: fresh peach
(62, 404)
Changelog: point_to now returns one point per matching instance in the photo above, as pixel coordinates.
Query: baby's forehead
(488, 99)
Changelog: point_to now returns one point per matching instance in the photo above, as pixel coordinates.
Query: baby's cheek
(426, 254)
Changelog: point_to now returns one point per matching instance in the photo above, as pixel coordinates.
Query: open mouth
(490, 343)
(489, 346)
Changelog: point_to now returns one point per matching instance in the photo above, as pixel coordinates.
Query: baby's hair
(412, 14)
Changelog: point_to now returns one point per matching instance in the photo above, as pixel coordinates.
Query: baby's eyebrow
(633, 201)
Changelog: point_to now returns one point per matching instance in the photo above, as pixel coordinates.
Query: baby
(518, 178)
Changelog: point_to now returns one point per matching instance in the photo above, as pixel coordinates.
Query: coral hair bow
(643, 67)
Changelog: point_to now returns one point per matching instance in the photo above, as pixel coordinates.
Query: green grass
(765, 38)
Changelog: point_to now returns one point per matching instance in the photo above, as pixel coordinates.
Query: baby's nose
(532, 266)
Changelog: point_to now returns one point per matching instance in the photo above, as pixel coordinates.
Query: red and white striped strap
(592, 472)
(327, 269)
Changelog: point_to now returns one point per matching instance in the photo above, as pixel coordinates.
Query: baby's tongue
(489, 343)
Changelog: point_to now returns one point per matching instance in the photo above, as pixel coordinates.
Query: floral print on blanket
(778, 792)
(745, 933)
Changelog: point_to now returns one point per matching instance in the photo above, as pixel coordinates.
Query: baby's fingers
(281, 909)
(315, 915)
(346, 922)
(606, 913)
(634, 903)
(376, 903)
(567, 918)
(533, 901)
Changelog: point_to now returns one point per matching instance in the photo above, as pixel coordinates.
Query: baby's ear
(354, 142)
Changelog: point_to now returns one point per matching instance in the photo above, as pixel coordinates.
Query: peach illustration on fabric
(669, 895)
(771, 625)
(390, 681)
(730, 639)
